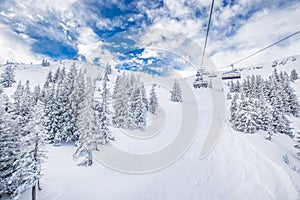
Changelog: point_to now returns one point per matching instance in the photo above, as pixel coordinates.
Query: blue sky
(36, 29)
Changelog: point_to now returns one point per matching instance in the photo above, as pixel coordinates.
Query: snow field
(241, 166)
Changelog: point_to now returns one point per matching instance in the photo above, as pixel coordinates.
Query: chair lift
(233, 74)
(199, 82)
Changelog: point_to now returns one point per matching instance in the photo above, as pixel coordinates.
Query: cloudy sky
(34, 29)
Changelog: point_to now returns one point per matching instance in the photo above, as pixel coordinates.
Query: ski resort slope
(241, 166)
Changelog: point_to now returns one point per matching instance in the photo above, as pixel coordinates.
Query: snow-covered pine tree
(103, 124)
(275, 95)
(117, 87)
(48, 99)
(233, 108)
(108, 69)
(264, 110)
(280, 124)
(69, 114)
(121, 104)
(105, 76)
(63, 112)
(231, 86)
(260, 88)
(17, 96)
(56, 127)
(144, 95)
(237, 86)
(243, 96)
(105, 94)
(71, 76)
(153, 101)
(246, 87)
(35, 153)
(289, 97)
(130, 120)
(246, 117)
(176, 93)
(253, 87)
(22, 106)
(138, 109)
(49, 79)
(55, 77)
(7, 78)
(294, 75)
(228, 96)
(297, 146)
(37, 95)
(269, 135)
(88, 131)
(268, 88)
(45, 63)
(77, 98)
(10, 154)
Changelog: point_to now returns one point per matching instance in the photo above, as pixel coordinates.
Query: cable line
(207, 31)
(263, 49)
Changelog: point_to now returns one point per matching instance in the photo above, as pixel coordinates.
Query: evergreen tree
(89, 135)
(103, 124)
(105, 99)
(37, 96)
(7, 78)
(117, 87)
(22, 106)
(246, 117)
(228, 96)
(297, 146)
(176, 93)
(49, 110)
(35, 153)
(138, 109)
(280, 124)
(49, 79)
(121, 102)
(17, 96)
(237, 86)
(10, 154)
(246, 87)
(269, 135)
(108, 69)
(233, 109)
(56, 75)
(231, 87)
(153, 101)
(294, 75)
(45, 63)
(64, 115)
(290, 101)
(144, 96)
(77, 98)
(105, 76)
(264, 110)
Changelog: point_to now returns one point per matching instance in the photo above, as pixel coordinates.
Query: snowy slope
(241, 166)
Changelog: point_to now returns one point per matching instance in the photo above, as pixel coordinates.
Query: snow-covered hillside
(241, 166)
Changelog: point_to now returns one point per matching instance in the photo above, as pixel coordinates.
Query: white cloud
(15, 47)
(265, 27)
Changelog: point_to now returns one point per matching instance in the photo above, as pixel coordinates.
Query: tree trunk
(33, 192)
(39, 185)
